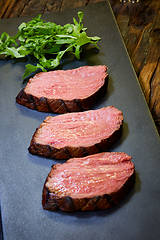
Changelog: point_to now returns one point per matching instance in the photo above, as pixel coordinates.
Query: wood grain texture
(140, 27)
(139, 24)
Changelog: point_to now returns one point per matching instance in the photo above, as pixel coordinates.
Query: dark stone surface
(22, 175)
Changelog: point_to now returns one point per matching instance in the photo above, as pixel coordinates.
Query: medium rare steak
(77, 134)
(83, 184)
(64, 91)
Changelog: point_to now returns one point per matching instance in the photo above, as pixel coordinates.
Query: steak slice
(94, 182)
(64, 91)
(77, 134)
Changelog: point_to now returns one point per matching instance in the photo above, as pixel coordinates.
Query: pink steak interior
(79, 129)
(94, 175)
(72, 84)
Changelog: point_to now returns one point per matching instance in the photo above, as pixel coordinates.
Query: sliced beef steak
(94, 182)
(64, 91)
(77, 134)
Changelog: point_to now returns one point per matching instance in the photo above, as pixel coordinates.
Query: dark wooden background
(139, 24)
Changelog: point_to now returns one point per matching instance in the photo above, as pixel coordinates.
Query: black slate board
(22, 175)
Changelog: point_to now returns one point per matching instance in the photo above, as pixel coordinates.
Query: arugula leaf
(80, 16)
(42, 39)
(31, 68)
(13, 52)
(28, 70)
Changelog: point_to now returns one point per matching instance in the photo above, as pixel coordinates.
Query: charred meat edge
(69, 151)
(44, 104)
(53, 202)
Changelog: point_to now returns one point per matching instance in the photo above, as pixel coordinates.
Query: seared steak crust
(69, 152)
(73, 131)
(55, 199)
(68, 204)
(44, 104)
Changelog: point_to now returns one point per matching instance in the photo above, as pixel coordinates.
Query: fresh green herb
(42, 39)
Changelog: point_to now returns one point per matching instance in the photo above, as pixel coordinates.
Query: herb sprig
(40, 39)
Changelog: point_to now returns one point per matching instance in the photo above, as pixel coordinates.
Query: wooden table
(139, 24)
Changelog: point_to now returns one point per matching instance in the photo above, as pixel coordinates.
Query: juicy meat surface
(94, 175)
(95, 182)
(72, 84)
(64, 91)
(79, 129)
